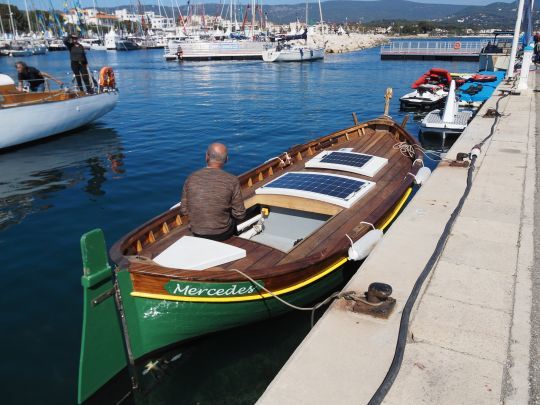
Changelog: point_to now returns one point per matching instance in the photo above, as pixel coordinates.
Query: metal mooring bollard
(375, 302)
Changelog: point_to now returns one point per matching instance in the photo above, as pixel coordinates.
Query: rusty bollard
(376, 301)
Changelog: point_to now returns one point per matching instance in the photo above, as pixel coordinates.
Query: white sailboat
(51, 113)
(295, 52)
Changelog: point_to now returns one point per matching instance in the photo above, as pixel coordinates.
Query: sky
(42, 4)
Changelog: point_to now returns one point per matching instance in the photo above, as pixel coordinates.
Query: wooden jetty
(433, 50)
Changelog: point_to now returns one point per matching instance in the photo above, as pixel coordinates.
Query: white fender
(363, 246)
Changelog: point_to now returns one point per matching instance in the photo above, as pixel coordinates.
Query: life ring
(457, 45)
(106, 77)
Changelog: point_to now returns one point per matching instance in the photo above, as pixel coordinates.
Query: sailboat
(295, 52)
(52, 112)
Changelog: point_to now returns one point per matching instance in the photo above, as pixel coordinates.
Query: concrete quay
(474, 332)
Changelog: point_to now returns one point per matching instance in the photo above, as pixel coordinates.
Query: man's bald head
(216, 155)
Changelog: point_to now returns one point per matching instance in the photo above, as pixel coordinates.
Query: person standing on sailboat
(79, 63)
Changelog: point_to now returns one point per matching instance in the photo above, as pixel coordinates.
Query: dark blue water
(129, 166)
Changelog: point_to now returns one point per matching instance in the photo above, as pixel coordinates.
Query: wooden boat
(170, 287)
(27, 117)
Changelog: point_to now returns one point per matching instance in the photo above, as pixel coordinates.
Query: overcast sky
(44, 4)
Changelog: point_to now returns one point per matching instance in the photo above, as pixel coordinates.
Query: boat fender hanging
(106, 77)
(360, 249)
(422, 175)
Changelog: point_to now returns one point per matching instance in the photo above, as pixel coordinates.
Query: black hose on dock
(393, 371)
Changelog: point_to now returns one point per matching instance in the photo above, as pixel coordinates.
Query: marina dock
(469, 338)
(433, 50)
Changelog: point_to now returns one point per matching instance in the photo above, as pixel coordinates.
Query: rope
(337, 294)
(393, 371)
(409, 151)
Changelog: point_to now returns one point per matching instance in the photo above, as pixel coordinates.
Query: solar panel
(345, 160)
(332, 188)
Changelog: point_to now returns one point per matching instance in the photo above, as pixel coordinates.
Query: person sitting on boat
(212, 199)
(79, 63)
(35, 78)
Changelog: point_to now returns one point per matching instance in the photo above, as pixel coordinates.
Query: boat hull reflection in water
(32, 174)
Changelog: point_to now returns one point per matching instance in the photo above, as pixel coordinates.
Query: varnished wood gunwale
(309, 256)
(12, 97)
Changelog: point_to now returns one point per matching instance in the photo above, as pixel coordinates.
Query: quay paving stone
(462, 327)
(441, 376)
(468, 284)
(486, 229)
(480, 208)
(475, 252)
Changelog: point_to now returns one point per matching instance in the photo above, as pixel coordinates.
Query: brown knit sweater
(211, 198)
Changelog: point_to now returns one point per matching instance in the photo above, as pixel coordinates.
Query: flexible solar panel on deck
(354, 162)
(332, 188)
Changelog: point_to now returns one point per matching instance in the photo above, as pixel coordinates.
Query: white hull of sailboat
(299, 54)
(31, 122)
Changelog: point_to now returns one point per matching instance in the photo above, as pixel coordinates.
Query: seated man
(212, 199)
(35, 78)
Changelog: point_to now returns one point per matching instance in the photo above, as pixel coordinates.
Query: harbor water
(130, 166)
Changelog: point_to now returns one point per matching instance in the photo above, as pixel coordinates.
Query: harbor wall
(335, 43)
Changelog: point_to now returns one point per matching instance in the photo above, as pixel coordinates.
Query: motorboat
(425, 96)
(51, 112)
(435, 76)
(310, 210)
(292, 53)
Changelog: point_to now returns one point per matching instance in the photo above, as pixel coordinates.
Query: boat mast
(13, 27)
(252, 19)
(28, 17)
(2, 27)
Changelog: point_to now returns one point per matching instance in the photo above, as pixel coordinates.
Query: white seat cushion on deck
(193, 253)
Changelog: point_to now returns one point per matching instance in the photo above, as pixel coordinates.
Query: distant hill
(339, 11)
(362, 11)
(498, 14)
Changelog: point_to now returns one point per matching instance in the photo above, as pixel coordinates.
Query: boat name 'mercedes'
(211, 289)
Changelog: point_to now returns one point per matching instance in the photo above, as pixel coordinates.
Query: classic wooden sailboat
(305, 209)
(28, 117)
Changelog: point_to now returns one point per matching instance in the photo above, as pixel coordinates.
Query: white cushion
(193, 253)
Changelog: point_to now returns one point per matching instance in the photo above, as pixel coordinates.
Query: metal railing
(433, 48)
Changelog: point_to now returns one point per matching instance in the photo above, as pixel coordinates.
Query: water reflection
(30, 175)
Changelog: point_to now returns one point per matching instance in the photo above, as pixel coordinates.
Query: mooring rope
(337, 294)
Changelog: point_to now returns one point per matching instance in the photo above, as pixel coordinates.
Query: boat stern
(102, 345)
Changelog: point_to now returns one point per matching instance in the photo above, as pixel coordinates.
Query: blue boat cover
(484, 91)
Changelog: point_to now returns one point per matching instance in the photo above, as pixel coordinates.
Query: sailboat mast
(252, 18)
(28, 17)
(2, 27)
(13, 27)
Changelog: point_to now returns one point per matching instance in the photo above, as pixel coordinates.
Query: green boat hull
(116, 334)
(153, 324)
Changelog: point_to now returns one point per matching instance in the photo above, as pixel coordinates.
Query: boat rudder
(102, 348)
